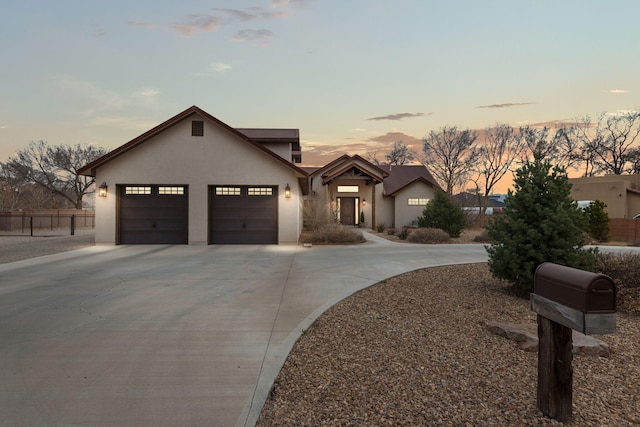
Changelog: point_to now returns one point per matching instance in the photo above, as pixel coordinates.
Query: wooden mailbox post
(566, 298)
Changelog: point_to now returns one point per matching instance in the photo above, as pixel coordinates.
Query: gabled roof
(90, 169)
(403, 176)
(345, 164)
(266, 136)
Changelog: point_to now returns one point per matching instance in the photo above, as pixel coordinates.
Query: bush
(391, 231)
(337, 234)
(597, 221)
(624, 270)
(404, 233)
(540, 223)
(428, 235)
(442, 213)
(482, 237)
(380, 228)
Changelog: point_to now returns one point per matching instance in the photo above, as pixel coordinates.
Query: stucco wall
(405, 215)
(174, 157)
(384, 208)
(610, 189)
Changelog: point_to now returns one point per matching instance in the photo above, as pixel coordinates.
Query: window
(137, 190)
(171, 190)
(227, 191)
(348, 189)
(413, 201)
(260, 191)
(197, 128)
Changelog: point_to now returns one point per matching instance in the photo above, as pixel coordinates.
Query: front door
(347, 210)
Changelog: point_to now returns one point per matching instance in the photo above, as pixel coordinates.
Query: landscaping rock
(527, 337)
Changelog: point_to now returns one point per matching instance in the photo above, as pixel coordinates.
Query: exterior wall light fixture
(102, 190)
(287, 192)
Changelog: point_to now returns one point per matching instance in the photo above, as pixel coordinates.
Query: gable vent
(197, 128)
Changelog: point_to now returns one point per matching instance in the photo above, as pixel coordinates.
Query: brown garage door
(243, 214)
(153, 214)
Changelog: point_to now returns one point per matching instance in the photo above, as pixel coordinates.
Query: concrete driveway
(173, 335)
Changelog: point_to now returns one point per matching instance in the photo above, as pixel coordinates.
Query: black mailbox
(581, 290)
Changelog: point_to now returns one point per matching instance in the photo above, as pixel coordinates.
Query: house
(196, 180)
(621, 193)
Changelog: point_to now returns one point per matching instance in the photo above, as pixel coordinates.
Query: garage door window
(260, 191)
(171, 190)
(227, 191)
(138, 190)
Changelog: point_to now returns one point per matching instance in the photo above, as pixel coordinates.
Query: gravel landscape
(414, 350)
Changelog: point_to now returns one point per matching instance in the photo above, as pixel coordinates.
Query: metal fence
(38, 222)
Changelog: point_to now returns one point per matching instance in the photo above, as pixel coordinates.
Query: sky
(354, 76)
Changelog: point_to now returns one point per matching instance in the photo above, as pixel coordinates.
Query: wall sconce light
(102, 190)
(287, 192)
(364, 202)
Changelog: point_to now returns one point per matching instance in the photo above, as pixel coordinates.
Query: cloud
(192, 24)
(399, 116)
(197, 23)
(507, 105)
(220, 67)
(622, 113)
(617, 91)
(4, 127)
(552, 124)
(253, 13)
(122, 122)
(214, 68)
(92, 93)
(147, 92)
(257, 37)
(392, 137)
(141, 24)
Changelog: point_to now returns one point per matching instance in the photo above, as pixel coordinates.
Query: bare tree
(400, 154)
(634, 159)
(619, 133)
(584, 145)
(55, 169)
(559, 147)
(450, 154)
(502, 147)
(373, 158)
(608, 145)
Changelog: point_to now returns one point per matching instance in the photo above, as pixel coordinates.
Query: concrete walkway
(173, 335)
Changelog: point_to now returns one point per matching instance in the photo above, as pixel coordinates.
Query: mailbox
(575, 298)
(582, 290)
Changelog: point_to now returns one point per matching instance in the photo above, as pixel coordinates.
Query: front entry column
(373, 205)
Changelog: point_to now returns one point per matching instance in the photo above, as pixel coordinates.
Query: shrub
(597, 221)
(428, 235)
(442, 213)
(337, 234)
(540, 223)
(624, 270)
(380, 228)
(482, 237)
(404, 233)
(391, 231)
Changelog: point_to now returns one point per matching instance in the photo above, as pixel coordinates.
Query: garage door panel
(244, 215)
(153, 218)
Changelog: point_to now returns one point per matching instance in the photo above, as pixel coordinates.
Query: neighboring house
(195, 180)
(621, 193)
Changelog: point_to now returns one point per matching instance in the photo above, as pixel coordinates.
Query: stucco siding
(405, 215)
(384, 208)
